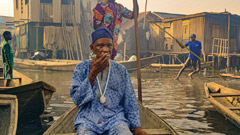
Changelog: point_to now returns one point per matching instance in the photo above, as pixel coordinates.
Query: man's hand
(139, 131)
(201, 59)
(97, 66)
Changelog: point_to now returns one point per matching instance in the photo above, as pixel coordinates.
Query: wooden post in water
(137, 51)
(229, 28)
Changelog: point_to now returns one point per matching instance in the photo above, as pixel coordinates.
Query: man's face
(8, 37)
(102, 46)
(193, 38)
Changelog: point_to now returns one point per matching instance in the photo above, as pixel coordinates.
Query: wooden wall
(206, 28)
(34, 10)
(216, 26)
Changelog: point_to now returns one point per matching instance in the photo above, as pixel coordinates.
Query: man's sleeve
(81, 90)
(187, 44)
(6, 52)
(126, 12)
(130, 104)
(200, 45)
(98, 14)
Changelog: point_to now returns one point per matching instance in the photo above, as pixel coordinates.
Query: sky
(169, 6)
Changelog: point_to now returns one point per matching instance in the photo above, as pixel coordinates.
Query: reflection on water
(181, 103)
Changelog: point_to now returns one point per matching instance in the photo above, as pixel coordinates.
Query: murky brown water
(181, 103)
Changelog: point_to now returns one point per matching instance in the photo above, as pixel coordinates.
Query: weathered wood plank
(224, 95)
(234, 108)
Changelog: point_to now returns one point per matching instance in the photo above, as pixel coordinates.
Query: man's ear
(91, 47)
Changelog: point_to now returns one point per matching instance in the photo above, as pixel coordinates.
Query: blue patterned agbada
(121, 106)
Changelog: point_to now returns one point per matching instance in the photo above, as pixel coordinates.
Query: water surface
(181, 103)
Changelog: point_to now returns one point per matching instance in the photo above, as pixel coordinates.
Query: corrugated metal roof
(6, 19)
(167, 15)
(2, 20)
(154, 16)
(197, 15)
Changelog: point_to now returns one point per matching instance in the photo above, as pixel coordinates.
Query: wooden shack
(60, 28)
(151, 37)
(214, 30)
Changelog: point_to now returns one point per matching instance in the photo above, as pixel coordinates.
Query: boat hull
(225, 100)
(32, 99)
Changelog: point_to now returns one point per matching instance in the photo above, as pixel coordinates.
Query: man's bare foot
(190, 75)
(177, 78)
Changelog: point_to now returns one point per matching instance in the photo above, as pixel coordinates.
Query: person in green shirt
(7, 58)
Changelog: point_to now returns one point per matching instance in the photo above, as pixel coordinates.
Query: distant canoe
(50, 64)
(69, 65)
(231, 76)
(150, 122)
(8, 114)
(225, 100)
(175, 66)
(33, 97)
(132, 65)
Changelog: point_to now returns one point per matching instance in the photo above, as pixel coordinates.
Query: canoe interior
(8, 114)
(226, 100)
(150, 121)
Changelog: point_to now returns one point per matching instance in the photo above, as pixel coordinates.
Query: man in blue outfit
(104, 93)
(192, 61)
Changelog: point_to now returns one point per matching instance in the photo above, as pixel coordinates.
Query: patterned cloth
(7, 55)
(110, 15)
(121, 106)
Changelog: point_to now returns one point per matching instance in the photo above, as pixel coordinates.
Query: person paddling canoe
(192, 61)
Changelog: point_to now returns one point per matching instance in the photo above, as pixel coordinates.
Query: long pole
(137, 51)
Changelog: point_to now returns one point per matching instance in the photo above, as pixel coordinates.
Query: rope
(183, 46)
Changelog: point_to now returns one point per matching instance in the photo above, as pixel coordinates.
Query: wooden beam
(234, 108)
(225, 95)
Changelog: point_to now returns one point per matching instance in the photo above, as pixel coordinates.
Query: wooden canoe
(33, 97)
(69, 65)
(231, 76)
(225, 100)
(176, 66)
(150, 122)
(50, 64)
(8, 114)
(132, 65)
